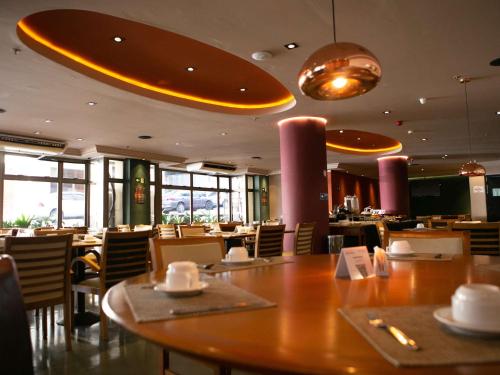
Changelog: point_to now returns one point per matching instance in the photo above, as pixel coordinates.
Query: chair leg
(103, 322)
(44, 323)
(52, 316)
(67, 323)
(72, 309)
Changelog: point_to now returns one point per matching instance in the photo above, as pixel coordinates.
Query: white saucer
(409, 254)
(237, 262)
(91, 240)
(180, 292)
(443, 315)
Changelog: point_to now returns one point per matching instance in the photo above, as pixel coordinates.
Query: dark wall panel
(341, 184)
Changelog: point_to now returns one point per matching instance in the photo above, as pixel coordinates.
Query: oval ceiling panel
(153, 62)
(360, 142)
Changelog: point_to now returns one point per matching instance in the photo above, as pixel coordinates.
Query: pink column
(393, 183)
(303, 176)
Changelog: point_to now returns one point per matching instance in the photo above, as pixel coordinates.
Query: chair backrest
(166, 231)
(124, 255)
(304, 233)
(78, 230)
(199, 250)
(229, 227)
(444, 224)
(484, 237)
(9, 231)
(123, 227)
(192, 230)
(53, 232)
(269, 240)
(43, 267)
(15, 343)
(436, 242)
(142, 227)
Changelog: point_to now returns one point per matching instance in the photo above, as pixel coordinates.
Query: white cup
(400, 247)
(182, 275)
(420, 226)
(237, 254)
(477, 305)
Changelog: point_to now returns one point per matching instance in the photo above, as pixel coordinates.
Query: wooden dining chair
(199, 250)
(166, 230)
(191, 230)
(304, 233)
(229, 227)
(484, 237)
(124, 255)
(383, 233)
(436, 242)
(78, 230)
(269, 240)
(53, 232)
(43, 265)
(15, 344)
(142, 227)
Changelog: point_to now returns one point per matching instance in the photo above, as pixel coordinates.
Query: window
(21, 165)
(73, 205)
(175, 178)
(175, 206)
(204, 181)
(115, 169)
(204, 206)
(74, 170)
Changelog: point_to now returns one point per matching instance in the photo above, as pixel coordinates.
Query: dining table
(305, 333)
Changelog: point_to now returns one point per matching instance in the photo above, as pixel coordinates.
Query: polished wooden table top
(305, 333)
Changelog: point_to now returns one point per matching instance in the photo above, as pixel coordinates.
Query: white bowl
(400, 247)
(477, 305)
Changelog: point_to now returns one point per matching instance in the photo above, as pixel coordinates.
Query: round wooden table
(305, 333)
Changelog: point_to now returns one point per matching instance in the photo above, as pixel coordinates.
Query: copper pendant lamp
(339, 70)
(471, 168)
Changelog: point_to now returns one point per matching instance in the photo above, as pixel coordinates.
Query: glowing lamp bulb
(339, 82)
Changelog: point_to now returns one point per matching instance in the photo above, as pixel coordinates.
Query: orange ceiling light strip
(395, 148)
(81, 60)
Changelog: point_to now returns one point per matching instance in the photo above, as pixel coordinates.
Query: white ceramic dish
(444, 316)
(180, 292)
(238, 262)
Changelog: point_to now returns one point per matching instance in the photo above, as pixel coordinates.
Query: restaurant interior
(248, 187)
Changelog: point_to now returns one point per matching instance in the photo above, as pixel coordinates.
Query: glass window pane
(152, 173)
(152, 203)
(116, 169)
(28, 166)
(238, 199)
(175, 205)
(175, 178)
(238, 183)
(96, 194)
(29, 204)
(223, 182)
(74, 170)
(224, 208)
(73, 205)
(204, 181)
(250, 182)
(115, 194)
(204, 206)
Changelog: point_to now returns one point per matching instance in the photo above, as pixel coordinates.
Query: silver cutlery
(399, 335)
(196, 310)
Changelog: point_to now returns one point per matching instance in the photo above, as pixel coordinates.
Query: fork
(399, 335)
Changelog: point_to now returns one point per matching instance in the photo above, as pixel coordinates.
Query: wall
(341, 184)
(275, 211)
(448, 196)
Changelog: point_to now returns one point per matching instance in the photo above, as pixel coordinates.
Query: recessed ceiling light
(387, 112)
(257, 157)
(91, 103)
(291, 45)
(118, 39)
(424, 139)
(37, 132)
(359, 139)
(223, 133)
(177, 143)
(79, 139)
(422, 100)
(145, 137)
(410, 131)
(422, 169)
(47, 121)
(261, 55)
(243, 89)
(498, 113)
(2, 110)
(341, 131)
(190, 68)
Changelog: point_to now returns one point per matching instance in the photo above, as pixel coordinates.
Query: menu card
(355, 263)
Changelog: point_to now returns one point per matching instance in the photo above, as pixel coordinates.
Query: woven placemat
(219, 297)
(439, 346)
(259, 262)
(423, 256)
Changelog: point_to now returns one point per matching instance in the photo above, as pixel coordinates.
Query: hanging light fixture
(339, 70)
(471, 168)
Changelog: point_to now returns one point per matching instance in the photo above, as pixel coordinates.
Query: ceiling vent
(29, 145)
(211, 167)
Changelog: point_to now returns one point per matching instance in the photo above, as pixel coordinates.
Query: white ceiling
(420, 44)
